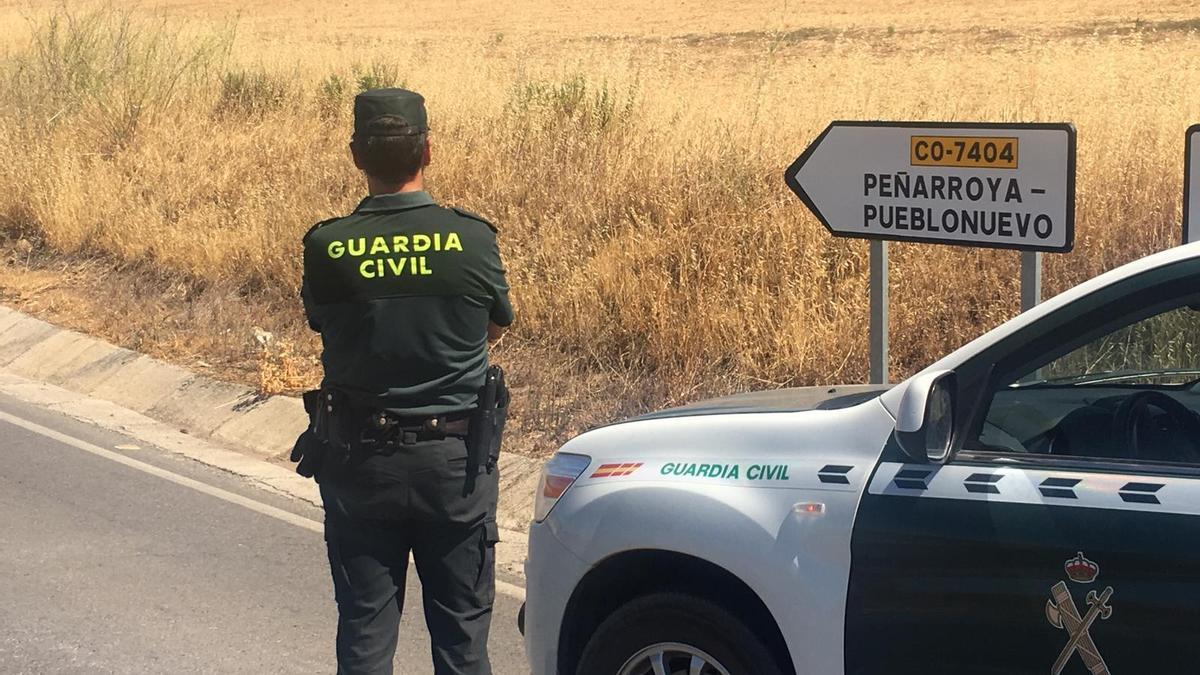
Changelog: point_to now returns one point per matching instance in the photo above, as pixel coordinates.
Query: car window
(1163, 349)
(1130, 394)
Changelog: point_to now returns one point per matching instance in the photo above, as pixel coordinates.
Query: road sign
(969, 184)
(1191, 186)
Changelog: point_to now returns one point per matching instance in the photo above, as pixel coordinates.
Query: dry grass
(631, 156)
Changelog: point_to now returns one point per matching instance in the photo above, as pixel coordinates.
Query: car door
(1063, 536)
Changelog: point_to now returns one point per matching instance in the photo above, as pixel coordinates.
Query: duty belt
(388, 429)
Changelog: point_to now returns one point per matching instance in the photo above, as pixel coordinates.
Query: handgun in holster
(486, 428)
(324, 436)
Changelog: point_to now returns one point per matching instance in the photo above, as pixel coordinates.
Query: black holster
(325, 436)
(486, 428)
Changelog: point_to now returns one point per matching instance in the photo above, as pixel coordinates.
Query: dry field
(159, 165)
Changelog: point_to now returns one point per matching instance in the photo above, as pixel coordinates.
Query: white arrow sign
(1191, 186)
(994, 185)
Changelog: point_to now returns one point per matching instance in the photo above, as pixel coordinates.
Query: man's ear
(427, 156)
(354, 154)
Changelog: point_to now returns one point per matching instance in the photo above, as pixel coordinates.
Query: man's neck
(381, 187)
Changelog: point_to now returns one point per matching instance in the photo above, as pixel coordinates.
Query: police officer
(406, 294)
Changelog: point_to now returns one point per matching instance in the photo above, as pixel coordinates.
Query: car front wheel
(675, 634)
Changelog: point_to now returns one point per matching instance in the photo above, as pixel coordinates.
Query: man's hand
(495, 332)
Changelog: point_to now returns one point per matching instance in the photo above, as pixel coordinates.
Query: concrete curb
(202, 407)
(177, 410)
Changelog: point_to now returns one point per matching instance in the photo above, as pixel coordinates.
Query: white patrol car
(1028, 504)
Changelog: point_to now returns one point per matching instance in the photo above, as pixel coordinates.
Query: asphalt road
(109, 568)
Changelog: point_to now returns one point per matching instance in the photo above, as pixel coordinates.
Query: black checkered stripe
(1037, 486)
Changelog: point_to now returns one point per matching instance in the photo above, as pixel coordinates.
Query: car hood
(815, 425)
(797, 399)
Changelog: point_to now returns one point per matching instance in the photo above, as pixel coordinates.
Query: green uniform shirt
(401, 291)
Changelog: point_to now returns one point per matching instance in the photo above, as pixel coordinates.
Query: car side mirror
(925, 422)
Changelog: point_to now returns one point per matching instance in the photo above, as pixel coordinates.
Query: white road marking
(511, 590)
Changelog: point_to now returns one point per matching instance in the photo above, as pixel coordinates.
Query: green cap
(407, 105)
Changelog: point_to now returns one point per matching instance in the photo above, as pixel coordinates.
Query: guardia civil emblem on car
(1062, 613)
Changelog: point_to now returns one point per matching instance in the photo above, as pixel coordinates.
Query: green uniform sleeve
(502, 311)
(310, 307)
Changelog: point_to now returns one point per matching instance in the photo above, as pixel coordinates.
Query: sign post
(879, 311)
(1191, 186)
(1031, 279)
(967, 184)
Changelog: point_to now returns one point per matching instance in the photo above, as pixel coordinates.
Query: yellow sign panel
(969, 152)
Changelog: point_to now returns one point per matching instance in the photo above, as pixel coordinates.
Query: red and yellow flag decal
(616, 470)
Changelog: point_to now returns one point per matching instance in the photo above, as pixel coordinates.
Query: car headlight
(560, 473)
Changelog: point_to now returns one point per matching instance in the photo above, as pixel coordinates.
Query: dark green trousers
(379, 509)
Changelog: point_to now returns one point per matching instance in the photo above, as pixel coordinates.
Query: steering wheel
(1131, 414)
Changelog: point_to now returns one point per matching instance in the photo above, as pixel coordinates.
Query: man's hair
(390, 149)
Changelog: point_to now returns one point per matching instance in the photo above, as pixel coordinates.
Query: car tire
(675, 623)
